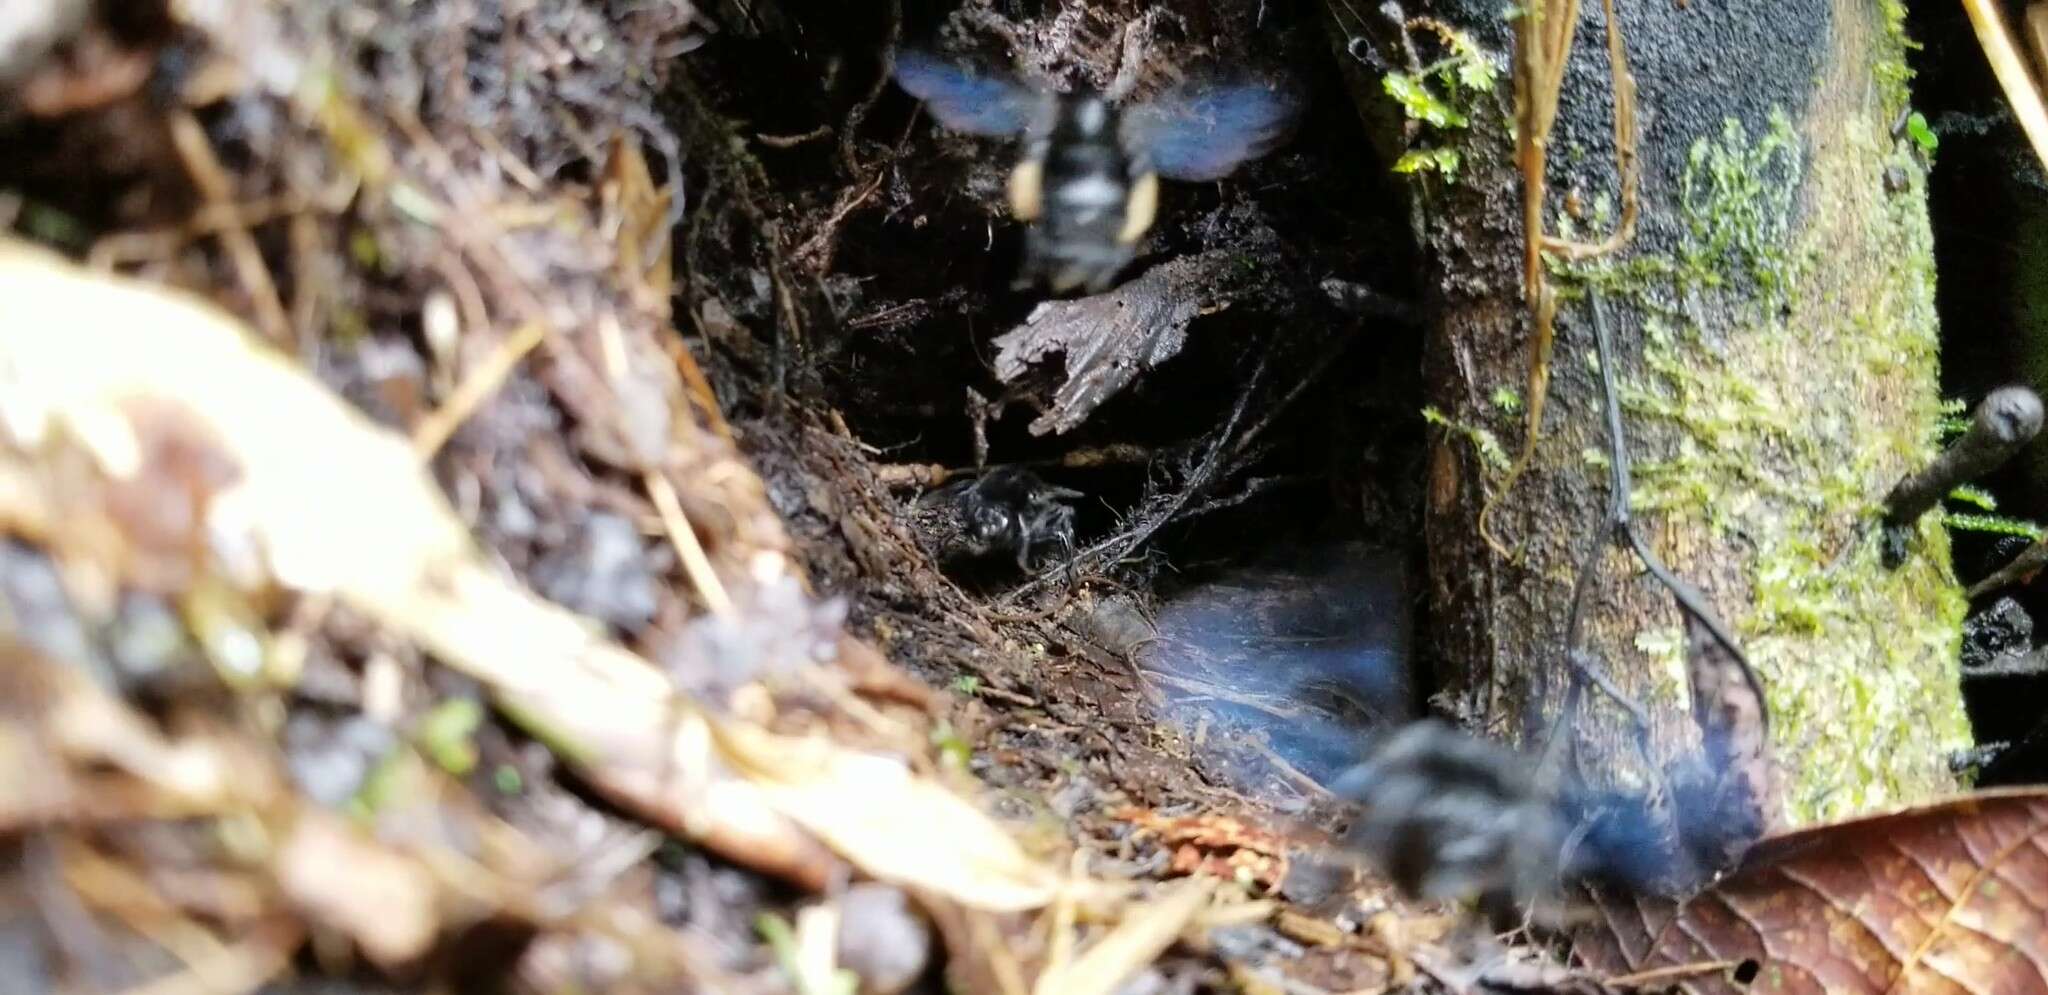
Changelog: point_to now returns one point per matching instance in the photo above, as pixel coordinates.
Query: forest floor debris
(416, 568)
(371, 343)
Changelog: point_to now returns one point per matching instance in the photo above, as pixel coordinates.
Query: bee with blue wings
(1087, 183)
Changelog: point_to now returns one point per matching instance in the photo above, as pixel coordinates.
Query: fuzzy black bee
(1087, 182)
(1451, 816)
(1008, 509)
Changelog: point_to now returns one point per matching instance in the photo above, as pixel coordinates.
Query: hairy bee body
(1089, 197)
(1008, 509)
(1087, 181)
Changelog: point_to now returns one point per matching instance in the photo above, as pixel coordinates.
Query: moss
(1483, 441)
(1464, 77)
(1890, 71)
(1757, 392)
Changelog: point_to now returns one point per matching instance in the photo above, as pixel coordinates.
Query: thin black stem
(1688, 597)
(1198, 483)
(2029, 562)
(1617, 526)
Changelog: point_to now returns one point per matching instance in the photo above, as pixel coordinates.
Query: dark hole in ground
(919, 282)
(1988, 200)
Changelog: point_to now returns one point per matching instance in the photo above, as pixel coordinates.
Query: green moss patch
(1770, 416)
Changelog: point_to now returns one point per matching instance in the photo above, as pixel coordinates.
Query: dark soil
(892, 335)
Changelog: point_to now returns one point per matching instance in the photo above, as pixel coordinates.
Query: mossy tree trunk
(1778, 370)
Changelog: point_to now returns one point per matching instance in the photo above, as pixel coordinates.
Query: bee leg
(1027, 190)
(1141, 209)
(1034, 267)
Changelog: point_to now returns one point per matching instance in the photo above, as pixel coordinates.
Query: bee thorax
(1085, 115)
(1091, 116)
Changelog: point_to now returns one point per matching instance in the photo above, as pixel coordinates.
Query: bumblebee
(1008, 509)
(1087, 182)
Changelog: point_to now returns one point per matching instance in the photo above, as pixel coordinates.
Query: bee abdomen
(1091, 193)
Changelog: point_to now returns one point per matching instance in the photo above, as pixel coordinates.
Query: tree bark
(1777, 361)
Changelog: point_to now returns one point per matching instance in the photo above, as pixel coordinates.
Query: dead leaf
(907, 829)
(1950, 896)
(339, 506)
(636, 214)
(1144, 934)
(1110, 338)
(385, 902)
(1217, 845)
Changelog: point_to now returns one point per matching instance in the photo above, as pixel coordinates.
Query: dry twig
(434, 431)
(695, 563)
(2022, 89)
(214, 184)
(1543, 44)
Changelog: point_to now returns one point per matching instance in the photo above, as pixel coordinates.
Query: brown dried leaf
(1216, 845)
(1946, 897)
(386, 902)
(638, 211)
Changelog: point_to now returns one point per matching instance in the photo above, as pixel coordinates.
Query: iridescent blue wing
(1206, 132)
(963, 97)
